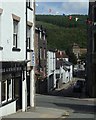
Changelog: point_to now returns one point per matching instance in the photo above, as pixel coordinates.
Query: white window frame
(10, 94)
(15, 33)
(40, 53)
(29, 30)
(5, 91)
(40, 35)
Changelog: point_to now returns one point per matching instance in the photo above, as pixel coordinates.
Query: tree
(72, 57)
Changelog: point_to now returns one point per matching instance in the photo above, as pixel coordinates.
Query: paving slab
(40, 112)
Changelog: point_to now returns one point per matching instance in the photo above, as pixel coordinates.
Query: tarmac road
(77, 108)
(76, 104)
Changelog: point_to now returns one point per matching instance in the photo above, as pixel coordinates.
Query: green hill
(62, 32)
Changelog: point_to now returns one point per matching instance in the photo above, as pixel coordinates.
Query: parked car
(78, 86)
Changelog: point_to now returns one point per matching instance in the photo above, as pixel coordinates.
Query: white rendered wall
(8, 109)
(66, 77)
(71, 72)
(10, 8)
(51, 64)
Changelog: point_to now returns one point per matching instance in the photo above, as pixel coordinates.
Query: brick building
(41, 59)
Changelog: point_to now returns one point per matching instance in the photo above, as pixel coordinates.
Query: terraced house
(41, 59)
(16, 56)
(91, 58)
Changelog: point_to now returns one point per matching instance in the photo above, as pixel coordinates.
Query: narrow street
(66, 99)
(67, 90)
(77, 108)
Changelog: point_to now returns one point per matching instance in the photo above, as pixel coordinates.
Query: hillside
(62, 32)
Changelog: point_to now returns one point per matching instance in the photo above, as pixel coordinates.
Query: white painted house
(69, 66)
(16, 56)
(64, 69)
(51, 67)
(64, 74)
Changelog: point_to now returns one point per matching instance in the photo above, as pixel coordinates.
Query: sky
(66, 7)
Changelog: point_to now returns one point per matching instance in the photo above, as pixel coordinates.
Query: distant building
(40, 59)
(78, 51)
(51, 69)
(64, 69)
(91, 55)
(59, 69)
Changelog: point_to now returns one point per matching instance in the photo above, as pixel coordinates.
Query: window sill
(7, 102)
(29, 50)
(16, 49)
(1, 48)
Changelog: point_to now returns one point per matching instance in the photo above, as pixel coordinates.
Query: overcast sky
(63, 7)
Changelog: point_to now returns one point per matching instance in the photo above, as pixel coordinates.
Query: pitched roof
(66, 69)
(61, 54)
(67, 63)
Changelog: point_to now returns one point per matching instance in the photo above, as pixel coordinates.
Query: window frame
(7, 98)
(5, 82)
(40, 35)
(1, 10)
(10, 98)
(16, 19)
(29, 31)
(15, 33)
(40, 53)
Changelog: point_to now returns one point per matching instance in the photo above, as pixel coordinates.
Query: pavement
(39, 112)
